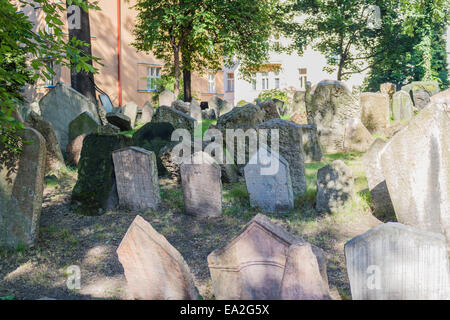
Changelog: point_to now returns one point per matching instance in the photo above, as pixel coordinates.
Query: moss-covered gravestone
(83, 124)
(153, 137)
(96, 191)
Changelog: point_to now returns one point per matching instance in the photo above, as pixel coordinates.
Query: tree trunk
(176, 72)
(82, 81)
(187, 85)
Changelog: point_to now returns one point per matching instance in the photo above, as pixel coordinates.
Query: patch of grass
(206, 123)
(286, 117)
(131, 132)
(238, 193)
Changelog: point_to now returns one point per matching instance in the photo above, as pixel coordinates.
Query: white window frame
(153, 74)
(265, 81)
(211, 83)
(277, 83)
(230, 82)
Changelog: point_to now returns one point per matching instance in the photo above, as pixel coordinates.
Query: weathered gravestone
(153, 137)
(119, 120)
(268, 181)
(253, 266)
(147, 113)
(83, 124)
(130, 110)
(271, 110)
(375, 111)
(402, 106)
(166, 98)
(421, 92)
(21, 199)
(416, 165)
(298, 104)
(334, 187)
(202, 186)
(357, 137)
(381, 200)
(60, 106)
(54, 160)
(177, 119)
(154, 269)
(195, 110)
(136, 178)
(397, 262)
(442, 97)
(280, 106)
(299, 118)
(330, 106)
(96, 190)
(290, 148)
(219, 106)
(73, 150)
(311, 144)
(388, 88)
(109, 129)
(182, 106)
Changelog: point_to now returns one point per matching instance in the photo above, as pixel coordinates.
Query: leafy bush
(274, 94)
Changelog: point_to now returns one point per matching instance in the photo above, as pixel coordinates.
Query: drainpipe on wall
(118, 51)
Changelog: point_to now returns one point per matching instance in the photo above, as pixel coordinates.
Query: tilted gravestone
(166, 98)
(416, 165)
(54, 160)
(21, 199)
(421, 92)
(290, 148)
(268, 181)
(83, 124)
(154, 269)
(311, 144)
(397, 262)
(219, 106)
(375, 111)
(253, 264)
(357, 137)
(381, 200)
(271, 110)
(202, 186)
(177, 119)
(147, 113)
(130, 110)
(73, 150)
(334, 187)
(329, 107)
(136, 178)
(402, 106)
(96, 189)
(119, 120)
(60, 106)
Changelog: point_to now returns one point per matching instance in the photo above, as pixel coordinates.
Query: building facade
(126, 74)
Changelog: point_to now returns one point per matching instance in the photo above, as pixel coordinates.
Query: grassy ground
(90, 242)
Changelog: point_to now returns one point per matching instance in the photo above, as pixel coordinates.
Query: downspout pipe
(119, 21)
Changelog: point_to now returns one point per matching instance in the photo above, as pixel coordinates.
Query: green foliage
(274, 94)
(242, 103)
(23, 56)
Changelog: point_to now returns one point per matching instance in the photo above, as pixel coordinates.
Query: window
(212, 83)
(153, 74)
(254, 83)
(49, 82)
(230, 82)
(303, 77)
(277, 83)
(265, 81)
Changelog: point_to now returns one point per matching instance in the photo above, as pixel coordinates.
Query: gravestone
(182, 106)
(83, 124)
(154, 269)
(416, 165)
(130, 110)
(60, 106)
(119, 120)
(147, 113)
(153, 137)
(109, 129)
(388, 88)
(244, 118)
(402, 106)
(252, 265)
(106, 103)
(298, 104)
(96, 191)
(375, 111)
(268, 181)
(299, 118)
(441, 97)
(202, 186)
(329, 108)
(166, 98)
(219, 106)
(136, 178)
(357, 137)
(381, 200)
(195, 110)
(271, 110)
(421, 92)
(396, 262)
(73, 150)
(21, 198)
(176, 118)
(334, 187)
(311, 144)
(54, 160)
(290, 148)
(280, 106)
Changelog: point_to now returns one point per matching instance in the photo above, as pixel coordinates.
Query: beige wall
(133, 64)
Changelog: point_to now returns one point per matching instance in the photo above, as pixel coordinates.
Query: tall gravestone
(357, 137)
(253, 265)
(21, 201)
(195, 110)
(375, 111)
(166, 98)
(268, 181)
(290, 148)
(311, 144)
(60, 106)
(416, 165)
(202, 186)
(381, 200)
(147, 113)
(298, 104)
(137, 178)
(154, 269)
(131, 110)
(402, 106)
(329, 107)
(396, 262)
